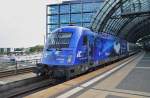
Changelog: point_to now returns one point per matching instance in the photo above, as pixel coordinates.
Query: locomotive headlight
(45, 55)
(69, 59)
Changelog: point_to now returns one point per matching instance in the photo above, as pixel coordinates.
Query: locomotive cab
(57, 51)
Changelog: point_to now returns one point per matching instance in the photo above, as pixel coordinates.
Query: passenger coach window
(85, 40)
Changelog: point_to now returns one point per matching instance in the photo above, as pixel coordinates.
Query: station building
(76, 12)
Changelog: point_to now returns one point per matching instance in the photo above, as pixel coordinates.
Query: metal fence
(15, 65)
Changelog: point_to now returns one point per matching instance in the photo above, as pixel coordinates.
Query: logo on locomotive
(117, 47)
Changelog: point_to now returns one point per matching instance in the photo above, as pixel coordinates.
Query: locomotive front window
(59, 40)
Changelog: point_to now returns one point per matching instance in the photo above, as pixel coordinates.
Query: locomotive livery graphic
(117, 47)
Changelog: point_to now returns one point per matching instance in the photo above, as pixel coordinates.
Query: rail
(22, 86)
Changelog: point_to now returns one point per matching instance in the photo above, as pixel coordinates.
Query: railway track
(15, 72)
(32, 85)
(25, 86)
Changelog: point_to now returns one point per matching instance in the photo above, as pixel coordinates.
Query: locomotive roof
(70, 28)
(102, 35)
(75, 27)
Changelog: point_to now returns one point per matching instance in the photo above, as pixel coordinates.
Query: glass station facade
(78, 12)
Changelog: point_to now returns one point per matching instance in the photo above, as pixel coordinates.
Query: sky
(22, 23)
(56, 1)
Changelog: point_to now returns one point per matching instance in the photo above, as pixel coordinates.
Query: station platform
(129, 79)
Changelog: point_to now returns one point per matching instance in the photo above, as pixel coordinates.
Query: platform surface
(131, 81)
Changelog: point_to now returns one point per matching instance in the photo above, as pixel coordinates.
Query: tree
(37, 48)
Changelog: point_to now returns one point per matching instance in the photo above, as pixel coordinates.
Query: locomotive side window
(85, 40)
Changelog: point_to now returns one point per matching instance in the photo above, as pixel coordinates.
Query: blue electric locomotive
(72, 50)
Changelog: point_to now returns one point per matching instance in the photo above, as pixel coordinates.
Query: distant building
(12, 50)
(77, 12)
(6, 50)
(17, 51)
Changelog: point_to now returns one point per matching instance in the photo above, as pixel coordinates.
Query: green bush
(37, 48)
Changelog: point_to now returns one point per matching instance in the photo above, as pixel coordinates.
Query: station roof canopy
(128, 19)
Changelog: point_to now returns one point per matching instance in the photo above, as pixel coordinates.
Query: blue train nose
(63, 57)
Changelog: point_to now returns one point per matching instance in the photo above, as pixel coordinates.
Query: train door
(91, 50)
(88, 41)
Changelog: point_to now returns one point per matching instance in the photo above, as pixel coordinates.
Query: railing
(16, 65)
